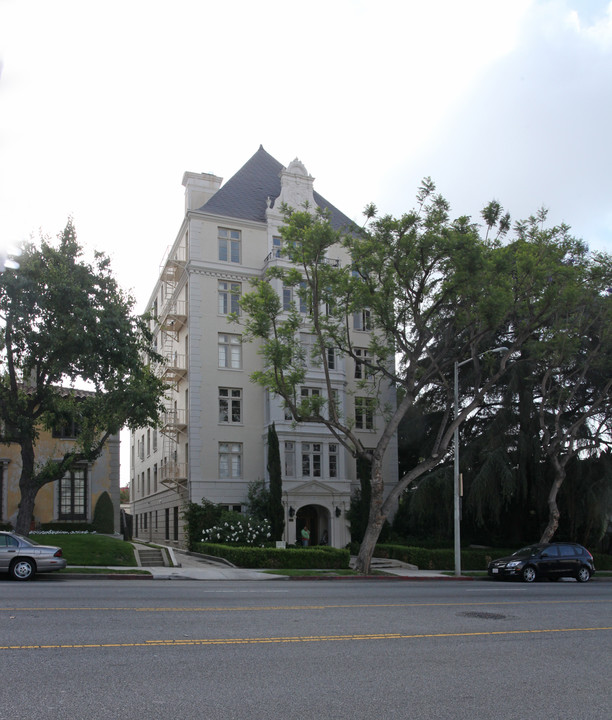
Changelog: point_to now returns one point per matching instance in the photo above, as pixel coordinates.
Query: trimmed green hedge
(253, 557)
(326, 557)
(602, 562)
(440, 559)
(473, 559)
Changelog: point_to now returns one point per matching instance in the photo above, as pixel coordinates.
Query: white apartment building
(212, 443)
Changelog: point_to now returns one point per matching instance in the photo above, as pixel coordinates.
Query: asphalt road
(305, 649)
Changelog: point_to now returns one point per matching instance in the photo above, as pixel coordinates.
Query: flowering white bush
(239, 531)
(64, 532)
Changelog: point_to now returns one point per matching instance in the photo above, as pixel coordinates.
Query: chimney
(199, 188)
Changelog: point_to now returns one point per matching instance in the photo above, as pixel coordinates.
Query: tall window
(154, 439)
(361, 370)
(361, 320)
(331, 358)
(229, 245)
(333, 460)
(364, 413)
(311, 459)
(277, 244)
(155, 478)
(230, 460)
(73, 495)
(304, 304)
(230, 405)
(228, 297)
(287, 297)
(289, 459)
(230, 351)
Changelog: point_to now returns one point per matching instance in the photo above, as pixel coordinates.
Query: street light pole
(457, 489)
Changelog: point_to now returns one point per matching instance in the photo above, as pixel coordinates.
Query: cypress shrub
(104, 516)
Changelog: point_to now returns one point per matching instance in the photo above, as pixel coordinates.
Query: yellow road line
(276, 608)
(298, 639)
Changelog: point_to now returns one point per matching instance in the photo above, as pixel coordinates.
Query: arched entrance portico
(317, 519)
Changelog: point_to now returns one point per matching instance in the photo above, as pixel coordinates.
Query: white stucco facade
(213, 441)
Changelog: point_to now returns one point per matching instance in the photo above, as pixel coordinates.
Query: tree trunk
(375, 522)
(27, 487)
(553, 510)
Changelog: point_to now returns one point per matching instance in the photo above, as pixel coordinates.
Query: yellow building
(70, 500)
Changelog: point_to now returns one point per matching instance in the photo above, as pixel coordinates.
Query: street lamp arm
(482, 354)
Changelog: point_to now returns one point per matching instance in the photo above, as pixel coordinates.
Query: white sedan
(23, 558)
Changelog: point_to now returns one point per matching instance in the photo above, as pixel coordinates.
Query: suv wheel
(584, 574)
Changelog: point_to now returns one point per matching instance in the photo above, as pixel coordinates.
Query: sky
(104, 106)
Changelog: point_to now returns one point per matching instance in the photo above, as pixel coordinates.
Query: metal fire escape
(172, 318)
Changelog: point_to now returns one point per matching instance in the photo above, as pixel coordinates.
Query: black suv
(551, 560)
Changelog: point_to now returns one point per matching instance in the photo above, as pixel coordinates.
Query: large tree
(574, 392)
(64, 324)
(435, 293)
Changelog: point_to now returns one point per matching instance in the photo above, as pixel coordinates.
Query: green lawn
(98, 550)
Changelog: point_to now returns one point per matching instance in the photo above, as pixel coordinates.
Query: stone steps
(150, 557)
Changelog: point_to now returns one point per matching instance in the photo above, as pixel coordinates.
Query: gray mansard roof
(244, 196)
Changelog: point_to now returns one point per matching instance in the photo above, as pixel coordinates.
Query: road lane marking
(276, 608)
(187, 642)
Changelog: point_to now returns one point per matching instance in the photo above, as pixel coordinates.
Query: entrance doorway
(316, 519)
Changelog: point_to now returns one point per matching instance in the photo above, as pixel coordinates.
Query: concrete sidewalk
(194, 567)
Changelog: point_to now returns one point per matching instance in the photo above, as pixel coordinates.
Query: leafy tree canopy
(434, 292)
(65, 322)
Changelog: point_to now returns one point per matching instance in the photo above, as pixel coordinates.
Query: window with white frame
(311, 350)
(277, 244)
(230, 405)
(361, 369)
(287, 297)
(333, 460)
(304, 304)
(289, 459)
(229, 245)
(364, 413)
(230, 460)
(331, 358)
(361, 320)
(309, 392)
(311, 459)
(335, 400)
(228, 297)
(230, 351)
